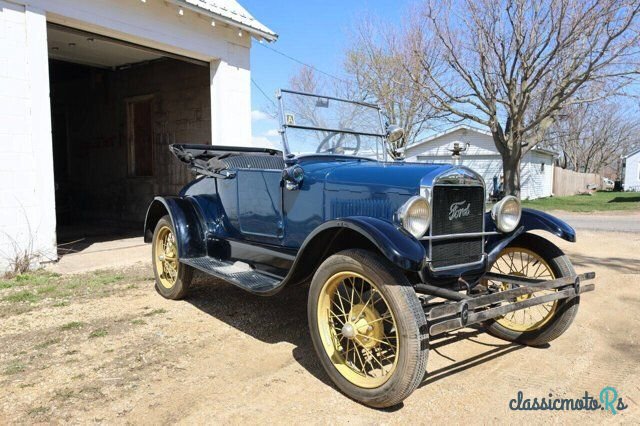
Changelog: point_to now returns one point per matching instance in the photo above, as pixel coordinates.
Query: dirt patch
(104, 347)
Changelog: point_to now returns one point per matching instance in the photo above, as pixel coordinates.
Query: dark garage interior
(115, 109)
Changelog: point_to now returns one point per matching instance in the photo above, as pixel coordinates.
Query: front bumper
(469, 309)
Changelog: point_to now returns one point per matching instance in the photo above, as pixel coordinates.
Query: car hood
(399, 177)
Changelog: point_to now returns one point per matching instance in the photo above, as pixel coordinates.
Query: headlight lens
(506, 213)
(415, 216)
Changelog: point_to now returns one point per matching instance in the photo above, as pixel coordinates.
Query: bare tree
(593, 136)
(377, 59)
(512, 65)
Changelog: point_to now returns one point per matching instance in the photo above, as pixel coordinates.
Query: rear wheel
(533, 257)
(172, 277)
(366, 324)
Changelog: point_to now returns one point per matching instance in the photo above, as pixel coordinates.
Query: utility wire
(263, 93)
(303, 63)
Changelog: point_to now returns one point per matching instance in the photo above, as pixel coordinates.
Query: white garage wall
(27, 205)
(483, 157)
(27, 200)
(158, 25)
(487, 166)
(480, 144)
(536, 180)
(632, 172)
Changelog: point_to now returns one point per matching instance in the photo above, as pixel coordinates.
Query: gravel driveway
(127, 356)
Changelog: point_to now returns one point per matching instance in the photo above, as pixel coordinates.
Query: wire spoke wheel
(524, 263)
(358, 329)
(166, 257)
(368, 327)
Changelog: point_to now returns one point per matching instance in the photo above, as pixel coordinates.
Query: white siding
(27, 205)
(157, 24)
(536, 175)
(488, 166)
(632, 173)
(483, 157)
(480, 144)
(27, 197)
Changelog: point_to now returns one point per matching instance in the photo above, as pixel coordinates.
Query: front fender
(393, 242)
(186, 220)
(536, 219)
(531, 220)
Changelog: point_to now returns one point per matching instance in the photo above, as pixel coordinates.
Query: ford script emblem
(458, 210)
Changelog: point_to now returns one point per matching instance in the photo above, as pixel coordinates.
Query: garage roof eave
(544, 151)
(631, 154)
(244, 21)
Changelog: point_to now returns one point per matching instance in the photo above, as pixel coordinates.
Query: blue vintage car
(392, 252)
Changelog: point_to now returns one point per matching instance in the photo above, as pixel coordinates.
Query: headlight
(414, 216)
(506, 213)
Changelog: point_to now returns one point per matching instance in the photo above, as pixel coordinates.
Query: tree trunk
(511, 173)
(511, 153)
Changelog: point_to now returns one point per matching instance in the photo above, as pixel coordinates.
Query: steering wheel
(339, 146)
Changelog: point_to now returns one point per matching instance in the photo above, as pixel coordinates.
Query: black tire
(410, 323)
(566, 309)
(185, 272)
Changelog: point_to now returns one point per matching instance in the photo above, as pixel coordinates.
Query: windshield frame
(288, 155)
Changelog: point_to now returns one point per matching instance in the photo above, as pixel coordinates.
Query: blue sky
(314, 32)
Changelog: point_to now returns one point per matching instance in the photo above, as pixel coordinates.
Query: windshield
(315, 124)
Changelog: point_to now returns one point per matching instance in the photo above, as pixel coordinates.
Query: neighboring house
(631, 173)
(91, 95)
(483, 157)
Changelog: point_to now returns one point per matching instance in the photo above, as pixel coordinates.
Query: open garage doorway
(115, 109)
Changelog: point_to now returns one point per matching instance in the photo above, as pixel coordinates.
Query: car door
(260, 204)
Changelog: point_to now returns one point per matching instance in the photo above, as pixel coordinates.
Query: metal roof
(632, 153)
(448, 131)
(230, 12)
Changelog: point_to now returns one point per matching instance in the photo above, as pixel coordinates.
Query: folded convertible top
(187, 153)
(212, 160)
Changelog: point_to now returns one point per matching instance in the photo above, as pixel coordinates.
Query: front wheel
(366, 325)
(534, 257)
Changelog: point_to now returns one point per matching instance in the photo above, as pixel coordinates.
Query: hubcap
(358, 330)
(524, 263)
(166, 261)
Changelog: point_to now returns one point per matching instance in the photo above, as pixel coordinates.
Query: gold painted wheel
(173, 278)
(166, 257)
(524, 263)
(358, 329)
(368, 327)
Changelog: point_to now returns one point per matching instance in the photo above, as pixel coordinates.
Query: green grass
(64, 394)
(46, 343)
(101, 332)
(21, 296)
(14, 368)
(37, 411)
(155, 312)
(34, 287)
(599, 201)
(73, 325)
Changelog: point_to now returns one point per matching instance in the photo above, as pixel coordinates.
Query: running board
(238, 274)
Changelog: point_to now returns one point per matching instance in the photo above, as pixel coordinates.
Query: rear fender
(187, 224)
